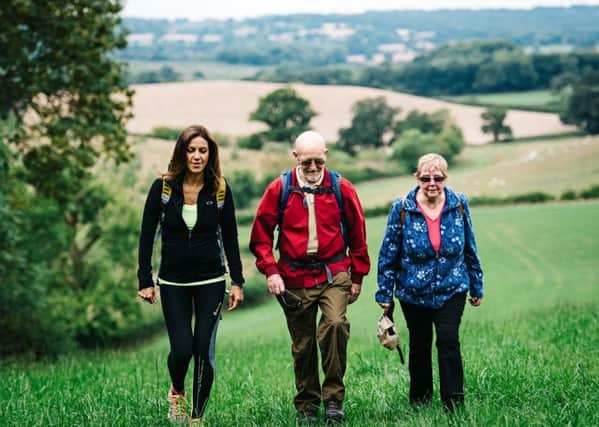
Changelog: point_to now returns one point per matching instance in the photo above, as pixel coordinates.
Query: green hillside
(530, 350)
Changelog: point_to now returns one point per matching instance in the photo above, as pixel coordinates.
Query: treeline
(162, 75)
(290, 39)
(470, 67)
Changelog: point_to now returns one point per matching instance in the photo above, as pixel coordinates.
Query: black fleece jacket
(188, 256)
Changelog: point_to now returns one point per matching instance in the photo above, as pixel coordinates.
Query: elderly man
(323, 258)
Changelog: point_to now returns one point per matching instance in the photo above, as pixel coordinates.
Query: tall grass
(531, 350)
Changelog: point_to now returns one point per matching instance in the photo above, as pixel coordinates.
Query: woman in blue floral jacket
(429, 261)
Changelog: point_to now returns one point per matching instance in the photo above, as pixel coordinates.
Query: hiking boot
(308, 416)
(333, 412)
(177, 406)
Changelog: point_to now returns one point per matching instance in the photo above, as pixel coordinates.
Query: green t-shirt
(190, 215)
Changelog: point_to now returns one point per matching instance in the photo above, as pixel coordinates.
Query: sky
(238, 9)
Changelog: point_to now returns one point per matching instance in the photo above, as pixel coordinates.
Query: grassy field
(531, 350)
(507, 169)
(541, 100)
(504, 169)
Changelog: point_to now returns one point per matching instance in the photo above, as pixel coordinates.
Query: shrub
(255, 290)
(486, 201)
(533, 197)
(244, 219)
(245, 187)
(590, 193)
(382, 210)
(366, 174)
(569, 195)
(164, 132)
(222, 139)
(254, 141)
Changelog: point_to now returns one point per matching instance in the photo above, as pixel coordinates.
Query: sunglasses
(290, 300)
(436, 178)
(308, 162)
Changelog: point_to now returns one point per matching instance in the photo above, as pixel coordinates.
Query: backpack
(167, 191)
(165, 197)
(287, 188)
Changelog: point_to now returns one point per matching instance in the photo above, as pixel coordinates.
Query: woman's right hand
(147, 294)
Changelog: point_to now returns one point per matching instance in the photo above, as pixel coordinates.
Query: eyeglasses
(308, 162)
(436, 178)
(290, 300)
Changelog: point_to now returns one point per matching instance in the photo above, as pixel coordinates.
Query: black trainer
(309, 416)
(333, 412)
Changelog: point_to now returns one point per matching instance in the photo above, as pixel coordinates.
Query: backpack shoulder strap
(221, 192)
(164, 198)
(336, 185)
(460, 205)
(284, 197)
(335, 178)
(402, 212)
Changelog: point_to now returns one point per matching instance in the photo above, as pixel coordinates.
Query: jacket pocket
(205, 256)
(172, 256)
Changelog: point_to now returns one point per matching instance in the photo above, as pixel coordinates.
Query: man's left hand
(354, 293)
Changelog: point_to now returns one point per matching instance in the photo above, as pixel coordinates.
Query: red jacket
(293, 241)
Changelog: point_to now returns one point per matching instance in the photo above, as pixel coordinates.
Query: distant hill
(367, 38)
(225, 106)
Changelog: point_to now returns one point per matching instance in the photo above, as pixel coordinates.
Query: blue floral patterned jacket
(409, 266)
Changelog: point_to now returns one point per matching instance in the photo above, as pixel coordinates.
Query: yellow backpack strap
(221, 193)
(166, 192)
(164, 198)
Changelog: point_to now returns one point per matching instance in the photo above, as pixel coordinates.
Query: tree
(424, 122)
(506, 71)
(63, 108)
(582, 106)
(493, 122)
(371, 125)
(286, 114)
(414, 143)
(57, 70)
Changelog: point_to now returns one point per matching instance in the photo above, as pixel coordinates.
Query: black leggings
(178, 305)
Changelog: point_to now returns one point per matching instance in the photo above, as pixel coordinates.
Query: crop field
(210, 69)
(224, 106)
(531, 350)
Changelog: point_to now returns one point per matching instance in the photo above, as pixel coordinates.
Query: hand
(235, 297)
(275, 284)
(147, 294)
(354, 293)
(385, 306)
(475, 302)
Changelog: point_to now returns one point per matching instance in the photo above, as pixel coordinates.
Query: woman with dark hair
(199, 232)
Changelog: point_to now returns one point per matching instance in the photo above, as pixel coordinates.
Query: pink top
(434, 228)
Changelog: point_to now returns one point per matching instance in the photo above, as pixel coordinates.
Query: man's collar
(300, 178)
